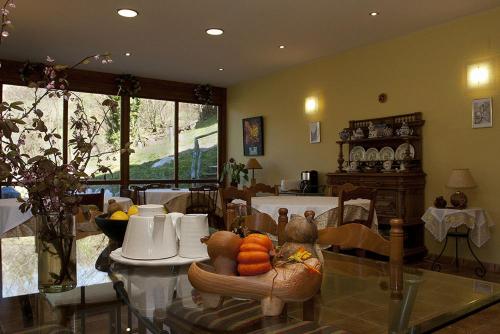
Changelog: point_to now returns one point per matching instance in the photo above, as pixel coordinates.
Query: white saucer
(116, 256)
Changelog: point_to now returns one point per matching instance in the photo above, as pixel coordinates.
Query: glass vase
(56, 249)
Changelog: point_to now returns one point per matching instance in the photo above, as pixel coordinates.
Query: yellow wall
(425, 72)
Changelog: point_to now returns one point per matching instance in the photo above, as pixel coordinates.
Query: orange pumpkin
(253, 258)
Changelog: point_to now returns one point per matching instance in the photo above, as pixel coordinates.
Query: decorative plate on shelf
(401, 151)
(386, 153)
(372, 154)
(357, 154)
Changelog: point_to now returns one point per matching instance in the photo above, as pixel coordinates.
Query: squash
(223, 248)
(253, 257)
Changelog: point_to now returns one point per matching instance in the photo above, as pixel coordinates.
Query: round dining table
(297, 205)
(162, 196)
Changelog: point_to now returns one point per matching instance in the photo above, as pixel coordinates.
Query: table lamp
(253, 164)
(460, 179)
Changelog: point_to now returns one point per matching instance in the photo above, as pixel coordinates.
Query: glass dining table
(355, 297)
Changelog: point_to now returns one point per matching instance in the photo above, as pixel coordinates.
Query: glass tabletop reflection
(355, 296)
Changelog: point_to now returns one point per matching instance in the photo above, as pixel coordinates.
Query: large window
(53, 117)
(108, 141)
(174, 142)
(152, 136)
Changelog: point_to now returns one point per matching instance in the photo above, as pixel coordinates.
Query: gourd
(253, 257)
(300, 232)
(223, 248)
(113, 207)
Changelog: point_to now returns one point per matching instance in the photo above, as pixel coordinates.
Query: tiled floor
(484, 322)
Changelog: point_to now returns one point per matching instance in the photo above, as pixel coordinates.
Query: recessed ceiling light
(374, 13)
(127, 54)
(214, 31)
(282, 46)
(127, 12)
(221, 69)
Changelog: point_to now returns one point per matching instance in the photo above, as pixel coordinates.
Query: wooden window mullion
(176, 144)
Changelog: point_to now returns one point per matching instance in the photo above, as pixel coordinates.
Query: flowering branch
(52, 185)
(4, 20)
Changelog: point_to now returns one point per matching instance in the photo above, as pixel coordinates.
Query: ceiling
(168, 41)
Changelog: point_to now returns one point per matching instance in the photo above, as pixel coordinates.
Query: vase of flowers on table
(52, 182)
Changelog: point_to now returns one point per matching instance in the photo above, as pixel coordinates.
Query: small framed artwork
(482, 113)
(253, 136)
(314, 133)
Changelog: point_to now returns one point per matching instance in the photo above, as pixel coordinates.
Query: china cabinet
(400, 183)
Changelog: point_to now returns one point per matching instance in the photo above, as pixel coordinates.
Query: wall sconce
(478, 75)
(311, 105)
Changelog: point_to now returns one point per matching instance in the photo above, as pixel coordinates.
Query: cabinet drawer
(387, 203)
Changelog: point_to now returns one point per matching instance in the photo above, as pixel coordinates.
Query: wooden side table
(444, 223)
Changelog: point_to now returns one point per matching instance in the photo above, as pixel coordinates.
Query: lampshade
(253, 164)
(461, 179)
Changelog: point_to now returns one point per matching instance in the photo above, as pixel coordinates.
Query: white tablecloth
(299, 204)
(439, 221)
(10, 215)
(125, 202)
(162, 196)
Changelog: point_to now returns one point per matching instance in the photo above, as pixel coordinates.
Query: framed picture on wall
(314, 133)
(253, 136)
(482, 113)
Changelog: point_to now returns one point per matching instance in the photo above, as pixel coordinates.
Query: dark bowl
(113, 229)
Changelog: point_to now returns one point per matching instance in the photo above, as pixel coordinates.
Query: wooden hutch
(400, 192)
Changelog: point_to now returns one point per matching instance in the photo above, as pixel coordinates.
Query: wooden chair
(229, 194)
(356, 193)
(125, 192)
(264, 189)
(204, 200)
(158, 186)
(362, 237)
(138, 195)
(260, 222)
(96, 199)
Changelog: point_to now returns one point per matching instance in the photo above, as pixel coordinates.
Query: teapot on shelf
(404, 130)
(358, 134)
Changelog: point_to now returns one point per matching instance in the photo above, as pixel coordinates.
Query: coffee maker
(309, 181)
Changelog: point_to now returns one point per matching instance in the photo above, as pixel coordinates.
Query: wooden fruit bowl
(291, 282)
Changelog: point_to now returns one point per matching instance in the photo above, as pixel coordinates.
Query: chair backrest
(357, 193)
(361, 237)
(138, 195)
(203, 199)
(158, 186)
(229, 194)
(264, 189)
(261, 222)
(96, 199)
(124, 192)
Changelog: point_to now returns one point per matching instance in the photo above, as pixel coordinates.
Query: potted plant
(235, 171)
(52, 184)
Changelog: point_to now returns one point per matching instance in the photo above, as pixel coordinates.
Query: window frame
(104, 83)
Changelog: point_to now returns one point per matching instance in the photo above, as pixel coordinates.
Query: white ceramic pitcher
(190, 229)
(150, 235)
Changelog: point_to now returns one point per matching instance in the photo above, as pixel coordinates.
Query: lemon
(119, 215)
(133, 210)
